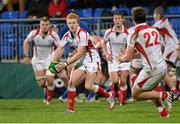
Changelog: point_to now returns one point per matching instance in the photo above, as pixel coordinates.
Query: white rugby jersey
(146, 40)
(43, 44)
(168, 34)
(115, 41)
(81, 38)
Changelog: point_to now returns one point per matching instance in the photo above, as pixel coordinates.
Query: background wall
(18, 81)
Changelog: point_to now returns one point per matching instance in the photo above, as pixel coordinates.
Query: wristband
(26, 55)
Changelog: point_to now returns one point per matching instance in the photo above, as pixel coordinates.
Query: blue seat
(85, 12)
(126, 11)
(9, 15)
(98, 13)
(6, 51)
(23, 15)
(175, 10)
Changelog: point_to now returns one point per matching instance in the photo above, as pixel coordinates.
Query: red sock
(103, 92)
(113, 90)
(49, 95)
(164, 96)
(71, 97)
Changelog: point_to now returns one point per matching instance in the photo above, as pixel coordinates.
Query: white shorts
(136, 64)
(90, 66)
(170, 54)
(117, 66)
(41, 64)
(149, 79)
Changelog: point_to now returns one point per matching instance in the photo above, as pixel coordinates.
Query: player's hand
(108, 57)
(27, 60)
(61, 66)
(119, 57)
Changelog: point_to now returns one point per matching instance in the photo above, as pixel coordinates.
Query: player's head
(118, 18)
(72, 20)
(138, 15)
(45, 24)
(158, 13)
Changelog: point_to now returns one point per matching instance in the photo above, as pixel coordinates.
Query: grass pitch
(35, 111)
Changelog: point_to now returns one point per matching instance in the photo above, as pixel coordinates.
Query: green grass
(34, 110)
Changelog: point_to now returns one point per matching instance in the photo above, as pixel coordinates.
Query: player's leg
(40, 76)
(114, 77)
(74, 78)
(50, 86)
(122, 91)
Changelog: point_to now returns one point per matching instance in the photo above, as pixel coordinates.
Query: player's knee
(41, 80)
(88, 86)
(50, 80)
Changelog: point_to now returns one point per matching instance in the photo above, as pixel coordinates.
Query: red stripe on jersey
(142, 51)
(126, 31)
(37, 32)
(83, 30)
(163, 20)
(168, 56)
(110, 31)
(141, 83)
(89, 47)
(50, 32)
(164, 32)
(66, 36)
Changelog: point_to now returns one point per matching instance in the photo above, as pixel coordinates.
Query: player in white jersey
(89, 60)
(170, 44)
(146, 40)
(115, 42)
(43, 40)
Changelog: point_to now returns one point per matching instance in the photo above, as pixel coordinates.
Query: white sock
(123, 88)
(160, 109)
(51, 87)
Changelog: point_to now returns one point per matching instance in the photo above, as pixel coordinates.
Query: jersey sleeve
(84, 37)
(31, 35)
(106, 38)
(64, 40)
(131, 38)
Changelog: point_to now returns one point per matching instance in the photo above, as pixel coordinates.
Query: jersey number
(151, 36)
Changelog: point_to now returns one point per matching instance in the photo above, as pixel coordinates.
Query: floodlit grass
(34, 110)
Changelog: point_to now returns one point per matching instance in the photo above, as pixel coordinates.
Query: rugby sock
(50, 91)
(163, 95)
(71, 97)
(112, 89)
(102, 91)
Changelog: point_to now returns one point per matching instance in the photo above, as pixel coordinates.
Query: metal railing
(13, 32)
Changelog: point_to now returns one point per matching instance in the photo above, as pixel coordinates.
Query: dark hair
(45, 19)
(138, 15)
(119, 13)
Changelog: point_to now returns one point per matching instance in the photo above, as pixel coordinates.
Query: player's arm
(128, 56)
(58, 53)
(26, 46)
(77, 55)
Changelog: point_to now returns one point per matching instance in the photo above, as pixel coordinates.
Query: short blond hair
(73, 15)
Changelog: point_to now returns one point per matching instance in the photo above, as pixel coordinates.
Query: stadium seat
(175, 10)
(85, 12)
(98, 13)
(9, 15)
(126, 11)
(6, 51)
(23, 14)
